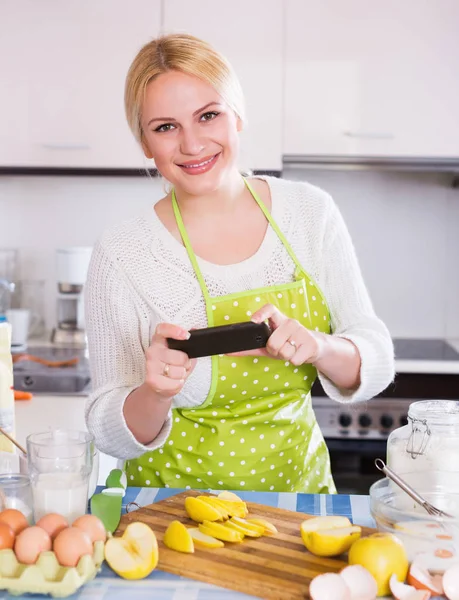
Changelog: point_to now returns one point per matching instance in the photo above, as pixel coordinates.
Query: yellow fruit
(382, 554)
(204, 541)
(199, 511)
(329, 536)
(229, 496)
(177, 537)
(235, 509)
(332, 542)
(220, 532)
(269, 528)
(214, 502)
(256, 530)
(134, 555)
(244, 530)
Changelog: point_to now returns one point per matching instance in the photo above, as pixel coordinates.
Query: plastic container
(429, 443)
(6, 386)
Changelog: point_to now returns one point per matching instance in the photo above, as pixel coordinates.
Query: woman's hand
(289, 340)
(167, 370)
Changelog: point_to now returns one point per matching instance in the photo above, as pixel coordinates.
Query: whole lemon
(382, 554)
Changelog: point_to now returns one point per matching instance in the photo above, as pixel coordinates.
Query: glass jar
(15, 492)
(429, 444)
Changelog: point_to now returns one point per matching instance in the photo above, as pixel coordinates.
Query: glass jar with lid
(429, 443)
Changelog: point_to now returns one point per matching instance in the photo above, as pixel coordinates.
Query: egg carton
(47, 576)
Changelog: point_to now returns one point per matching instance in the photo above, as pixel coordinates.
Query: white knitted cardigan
(140, 275)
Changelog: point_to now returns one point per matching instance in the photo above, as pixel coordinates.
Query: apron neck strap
(189, 249)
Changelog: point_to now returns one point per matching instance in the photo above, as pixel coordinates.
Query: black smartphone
(223, 339)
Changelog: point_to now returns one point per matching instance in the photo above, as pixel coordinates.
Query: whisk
(430, 508)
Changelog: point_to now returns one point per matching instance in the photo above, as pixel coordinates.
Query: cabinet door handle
(369, 135)
(66, 146)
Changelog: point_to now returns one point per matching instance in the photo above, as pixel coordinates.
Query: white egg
(451, 582)
(329, 586)
(360, 582)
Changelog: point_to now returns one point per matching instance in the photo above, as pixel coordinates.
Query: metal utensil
(432, 510)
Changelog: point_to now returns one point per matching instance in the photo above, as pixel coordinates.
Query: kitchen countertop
(165, 586)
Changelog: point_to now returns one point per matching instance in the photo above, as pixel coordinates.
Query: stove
(356, 434)
(35, 377)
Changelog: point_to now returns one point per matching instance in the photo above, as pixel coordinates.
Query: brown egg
(52, 524)
(6, 536)
(15, 519)
(70, 545)
(29, 543)
(93, 526)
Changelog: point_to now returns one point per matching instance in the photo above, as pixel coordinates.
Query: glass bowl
(432, 541)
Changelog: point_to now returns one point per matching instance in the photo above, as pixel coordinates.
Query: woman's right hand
(167, 370)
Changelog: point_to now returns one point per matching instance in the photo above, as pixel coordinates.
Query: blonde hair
(184, 53)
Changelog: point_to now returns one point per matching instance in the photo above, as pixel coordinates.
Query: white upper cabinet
(63, 65)
(372, 78)
(249, 34)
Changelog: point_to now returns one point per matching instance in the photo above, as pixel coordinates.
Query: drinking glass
(15, 492)
(60, 464)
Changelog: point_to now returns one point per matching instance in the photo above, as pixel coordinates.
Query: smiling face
(191, 133)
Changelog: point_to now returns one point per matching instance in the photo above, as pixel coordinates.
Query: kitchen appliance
(356, 434)
(72, 268)
(280, 560)
(33, 376)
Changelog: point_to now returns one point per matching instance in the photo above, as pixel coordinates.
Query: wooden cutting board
(276, 568)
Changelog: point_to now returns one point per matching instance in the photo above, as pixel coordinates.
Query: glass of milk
(60, 465)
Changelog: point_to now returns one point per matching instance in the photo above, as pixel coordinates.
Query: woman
(219, 249)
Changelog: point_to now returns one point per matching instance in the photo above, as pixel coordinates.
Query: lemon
(177, 537)
(220, 532)
(200, 511)
(204, 541)
(134, 555)
(269, 528)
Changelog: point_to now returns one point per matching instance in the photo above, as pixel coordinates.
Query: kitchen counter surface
(165, 586)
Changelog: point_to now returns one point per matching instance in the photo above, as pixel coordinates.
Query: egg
(6, 536)
(70, 545)
(360, 582)
(93, 526)
(29, 543)
(451, 582)
(53, 524)
(15, 519)
(329, 586)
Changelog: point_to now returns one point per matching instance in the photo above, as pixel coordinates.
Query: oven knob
(403, 420)
(386, 421)
(364, 420)
(345, 420)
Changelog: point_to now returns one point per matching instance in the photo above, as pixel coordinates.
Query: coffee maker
(72, 267)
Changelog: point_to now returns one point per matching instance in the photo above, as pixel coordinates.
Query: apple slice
(215, 503)
(229, 496)
(221, 532)
(201, 540)
(134, 555)
(200, 511)
(329, 536)
(177, 537)
(269, 528)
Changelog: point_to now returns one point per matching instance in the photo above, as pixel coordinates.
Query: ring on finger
(292, 343)
(166, 370)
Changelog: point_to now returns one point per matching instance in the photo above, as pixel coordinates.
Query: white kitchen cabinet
(374, 79)
(249, 34)
(63, 66)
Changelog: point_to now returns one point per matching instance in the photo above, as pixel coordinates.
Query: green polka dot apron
(256, 430)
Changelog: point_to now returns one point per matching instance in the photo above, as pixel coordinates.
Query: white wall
(405, 228)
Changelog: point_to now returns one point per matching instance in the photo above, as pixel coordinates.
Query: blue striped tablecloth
(165, 586)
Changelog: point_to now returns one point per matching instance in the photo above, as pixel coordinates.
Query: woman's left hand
(289, 341)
